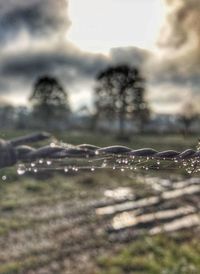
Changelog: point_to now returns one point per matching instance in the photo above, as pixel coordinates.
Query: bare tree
(188, 115)
(50, 101)
(120, 93)
(7, 116)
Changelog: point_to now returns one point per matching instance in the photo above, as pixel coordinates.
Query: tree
(7, 116)
(23, 117)
(188, 115)
(50, 101)
(120, 93)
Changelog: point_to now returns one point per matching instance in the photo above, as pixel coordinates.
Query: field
(101, 222)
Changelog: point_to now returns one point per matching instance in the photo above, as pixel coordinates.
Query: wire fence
(63, 156)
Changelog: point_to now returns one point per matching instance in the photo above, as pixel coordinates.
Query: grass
(155, 255)
(21, 195)
(158, 141)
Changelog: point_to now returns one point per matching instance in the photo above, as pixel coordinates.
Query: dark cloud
(131, 55)
(67, 62)
(76, 65)
(174, 71)
(37, 17)
(42, 21)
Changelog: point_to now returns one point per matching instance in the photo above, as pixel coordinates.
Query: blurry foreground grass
(155, 255)
(35, 230)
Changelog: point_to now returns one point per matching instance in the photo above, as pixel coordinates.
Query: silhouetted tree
(187, 116)
(50, 101)
(120, 93)
(7, 116)
(23, 117)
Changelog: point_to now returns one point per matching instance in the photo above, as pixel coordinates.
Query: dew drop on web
(21, 169)
(49, 162)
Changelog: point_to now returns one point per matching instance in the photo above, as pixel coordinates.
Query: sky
(108, 24)
(73, 40)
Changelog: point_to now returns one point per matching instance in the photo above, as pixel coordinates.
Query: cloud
(33, 42)
(38, 18)
(182, 24)
(180, 40)
(130, 55)
(174, 74)
(71, 65)
(68, 62)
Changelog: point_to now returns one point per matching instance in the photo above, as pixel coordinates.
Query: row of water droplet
(118, 163)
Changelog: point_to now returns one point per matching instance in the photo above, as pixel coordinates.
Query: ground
(50, 223)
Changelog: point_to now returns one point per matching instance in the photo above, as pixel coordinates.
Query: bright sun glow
(98, 25)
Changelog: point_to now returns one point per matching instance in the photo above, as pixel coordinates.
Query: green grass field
(47, 224)
(158, 141)
(155, 255)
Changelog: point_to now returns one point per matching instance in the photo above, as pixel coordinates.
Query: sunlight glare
(98, 25)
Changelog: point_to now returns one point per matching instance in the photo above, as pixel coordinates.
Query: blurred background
(103, 73)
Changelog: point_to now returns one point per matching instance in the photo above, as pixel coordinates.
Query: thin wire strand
(60, 154)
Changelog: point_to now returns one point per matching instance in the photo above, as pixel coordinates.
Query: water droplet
(41, 161)
(4, 177)
(92, 169)
(52, 145)
(21, 169)
(35, 170)
(66, 169)
(48, 162)
(32, 164)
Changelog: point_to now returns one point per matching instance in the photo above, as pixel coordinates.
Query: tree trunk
(121, 124)
(122, 114)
